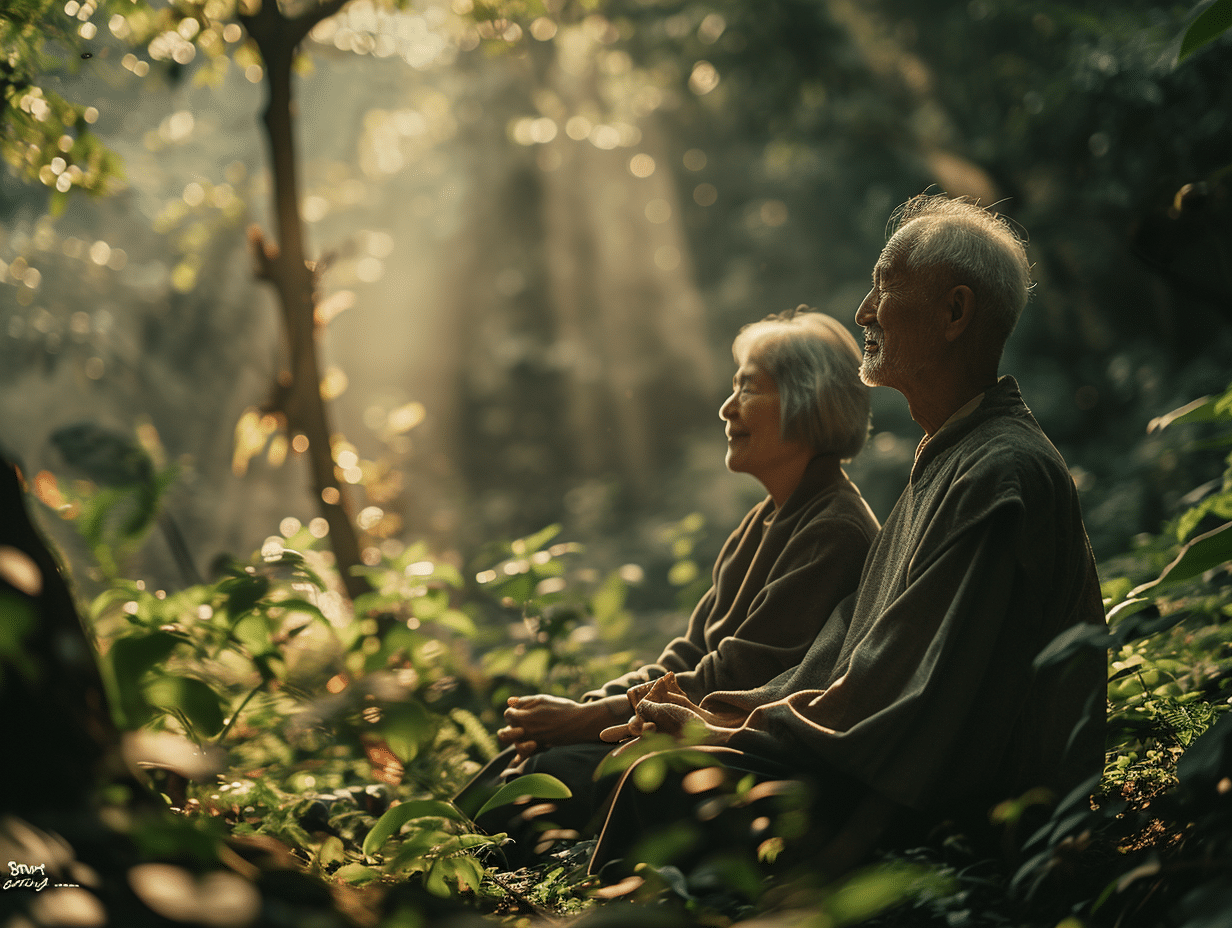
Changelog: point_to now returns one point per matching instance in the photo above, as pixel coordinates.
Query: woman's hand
(537, 722)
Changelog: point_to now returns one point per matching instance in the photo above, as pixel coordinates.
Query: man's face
(897, 340)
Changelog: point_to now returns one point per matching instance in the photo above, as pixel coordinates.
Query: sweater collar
(820, 473)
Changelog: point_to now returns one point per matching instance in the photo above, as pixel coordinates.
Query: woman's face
(755, 444)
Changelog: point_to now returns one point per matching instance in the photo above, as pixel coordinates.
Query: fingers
(510, 734)
(525, 749)
(616, 733)
(663, 716)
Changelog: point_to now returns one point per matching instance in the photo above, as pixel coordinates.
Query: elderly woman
(797, 410)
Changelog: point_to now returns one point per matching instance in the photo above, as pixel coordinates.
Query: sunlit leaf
(457, 621)
(534, 785)
(875, 889)
(389, 823)
(532, 543)
(1207, 551)
(608, 601)
(331, 851)
(357, 874)
(468, 872)
(406, 728)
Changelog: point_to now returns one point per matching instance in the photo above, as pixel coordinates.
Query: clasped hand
(663, 706)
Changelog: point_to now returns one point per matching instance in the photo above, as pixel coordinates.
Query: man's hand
(537, 722)
(664, 707)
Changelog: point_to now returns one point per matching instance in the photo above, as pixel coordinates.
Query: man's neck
(933, 407)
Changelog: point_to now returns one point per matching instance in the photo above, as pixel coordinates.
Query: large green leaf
(1213, 22)
(406, 727)
(195, 699)
(1203, 553)
(389, 823)
(534, 785)
(127, 662)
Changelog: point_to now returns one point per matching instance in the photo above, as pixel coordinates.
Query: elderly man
(919, 697)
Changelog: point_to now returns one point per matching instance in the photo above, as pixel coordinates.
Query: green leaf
(357, 874)
(389, 823)
(434, 879)
(331, 851)
(242, 593)
(195, 699)
(417, 849)
(534, 785)
(468, 872)
(253, 632)
(129, 659)
(609, 599)
(1205, 552)
(406, 727)
(532, 543)
(457, 621)
(1213, 22)
(875, 889)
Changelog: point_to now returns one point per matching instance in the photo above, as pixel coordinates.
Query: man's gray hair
(815, 363)
(979, 247)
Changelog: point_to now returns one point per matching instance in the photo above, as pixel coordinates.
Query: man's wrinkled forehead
(894, 255)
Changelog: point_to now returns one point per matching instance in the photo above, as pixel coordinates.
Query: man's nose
(867, 311)
(728, 409)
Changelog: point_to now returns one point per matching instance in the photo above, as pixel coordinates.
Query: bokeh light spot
(705, 194)
(658, 210)
(641, 165)
(694, 159)
(704, 78)
(543, 28)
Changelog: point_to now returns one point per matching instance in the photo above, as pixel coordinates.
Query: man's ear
(960, 311)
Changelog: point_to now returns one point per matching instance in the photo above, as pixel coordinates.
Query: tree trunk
(288, 270)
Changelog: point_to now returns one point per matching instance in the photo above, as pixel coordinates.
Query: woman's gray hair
(977, 246)
(815, 363)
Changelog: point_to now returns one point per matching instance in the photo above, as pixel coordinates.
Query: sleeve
(954, 646)
(816, 569)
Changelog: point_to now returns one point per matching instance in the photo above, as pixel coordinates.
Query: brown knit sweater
(776, 581)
